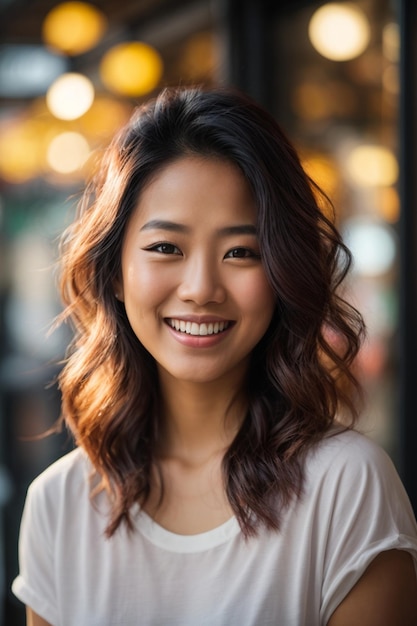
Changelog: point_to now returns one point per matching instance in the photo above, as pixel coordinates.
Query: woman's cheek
(148, 283)
(256, 292)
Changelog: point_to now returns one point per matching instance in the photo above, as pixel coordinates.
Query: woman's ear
(118, 289)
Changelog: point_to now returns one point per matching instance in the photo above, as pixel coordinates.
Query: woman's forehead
(197, 188)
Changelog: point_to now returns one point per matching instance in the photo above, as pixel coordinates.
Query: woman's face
(193, 285)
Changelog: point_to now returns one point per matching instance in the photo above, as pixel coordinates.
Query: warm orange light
(104, 118)
(389, 204)
(73, 27)
(324, 173)
(372, 166)
(70, 96)
(131, 69)
(317, 100)
(68, 152)
(21, 150)
(198, 57)
(391, 79)
(339, 31)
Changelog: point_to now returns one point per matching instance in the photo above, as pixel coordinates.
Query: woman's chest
(193, 499)
(135, 581)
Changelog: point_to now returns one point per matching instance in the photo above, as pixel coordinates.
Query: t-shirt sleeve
(34, 585)
(368, 513)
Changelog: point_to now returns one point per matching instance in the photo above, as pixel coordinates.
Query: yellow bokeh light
(73, 27)
(389, 205)
(131, 69)
(68, 152)
(371, 166)
(339, 32)
(104, 118)
(21, 150)
(70, 96)
(324, 173)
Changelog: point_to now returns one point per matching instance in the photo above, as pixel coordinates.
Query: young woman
(212, 483)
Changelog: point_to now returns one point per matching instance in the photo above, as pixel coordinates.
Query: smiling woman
(213, 482)
(191, 272)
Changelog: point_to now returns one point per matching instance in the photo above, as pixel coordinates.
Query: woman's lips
(198, 329)
(201, 334)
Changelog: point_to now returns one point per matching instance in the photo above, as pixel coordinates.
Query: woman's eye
(241, 253)
(165, 248)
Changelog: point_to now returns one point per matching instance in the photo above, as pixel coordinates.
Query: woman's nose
(201, 282)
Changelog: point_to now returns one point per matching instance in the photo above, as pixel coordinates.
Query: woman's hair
(300, 378)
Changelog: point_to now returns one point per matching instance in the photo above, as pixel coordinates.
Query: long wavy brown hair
(300, 377)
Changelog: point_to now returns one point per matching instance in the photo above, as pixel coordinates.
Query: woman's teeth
(192, 328)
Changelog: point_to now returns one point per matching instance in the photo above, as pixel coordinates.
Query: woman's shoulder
(340, 446)
(69, 473)
(348, 460)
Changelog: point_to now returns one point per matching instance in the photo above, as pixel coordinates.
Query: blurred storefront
(340, 78)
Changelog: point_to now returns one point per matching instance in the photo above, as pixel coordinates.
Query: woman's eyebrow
(239, 229)
(165, 225)
(236, 229)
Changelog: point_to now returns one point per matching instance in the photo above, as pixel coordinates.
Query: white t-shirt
(354, 507)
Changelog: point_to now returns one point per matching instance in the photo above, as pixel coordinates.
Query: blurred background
(340, 78)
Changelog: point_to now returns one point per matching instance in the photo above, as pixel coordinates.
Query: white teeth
(192, 328)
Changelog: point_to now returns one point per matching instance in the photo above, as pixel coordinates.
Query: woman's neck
(199, 420)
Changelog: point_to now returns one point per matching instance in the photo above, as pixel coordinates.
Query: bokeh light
(131, 69)
(389, 206)
(73, 27)
(198, 57)
(323, 171)
(21, 153)
(339, 32)
(68, 152)
(372, 165)
(391, 42)
(105, 116)
(372, 244)
(70, 96)
(317, 99)
(27, 70)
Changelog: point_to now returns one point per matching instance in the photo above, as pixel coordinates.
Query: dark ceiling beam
(246, 33)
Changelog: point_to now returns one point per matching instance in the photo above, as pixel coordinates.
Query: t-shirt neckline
(173, 542)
